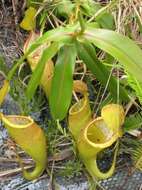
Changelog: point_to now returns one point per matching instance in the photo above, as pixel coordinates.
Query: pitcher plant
(94, 135)
(80, 112)
(30, 137)
(33, 59)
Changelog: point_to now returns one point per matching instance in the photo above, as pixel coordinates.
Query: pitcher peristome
(30, 137)
(33, 59)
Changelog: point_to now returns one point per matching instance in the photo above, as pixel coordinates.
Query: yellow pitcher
(30, 137)
(33, 59)
(93, 136)
(80, 112)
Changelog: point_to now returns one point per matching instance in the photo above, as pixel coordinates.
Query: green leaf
(133, 147)
(33, 3)
(56, 35)
(62, 82)
(64, 8)
(101, 15)
(137, 156)
(87, 53)
(135, 85)
(59, 34)
(133, 122)
(120, 47)
(106, 21)
(47, 54)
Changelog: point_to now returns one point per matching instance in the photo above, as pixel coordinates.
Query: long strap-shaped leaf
(47, 54)
(56, 35)
(87, 53)
(62, 82)
(120, 47)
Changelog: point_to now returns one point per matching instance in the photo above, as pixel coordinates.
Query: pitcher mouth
(76, 108)
(99, 136)
(15, 121)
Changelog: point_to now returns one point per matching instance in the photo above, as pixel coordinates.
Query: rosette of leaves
(80, 39)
